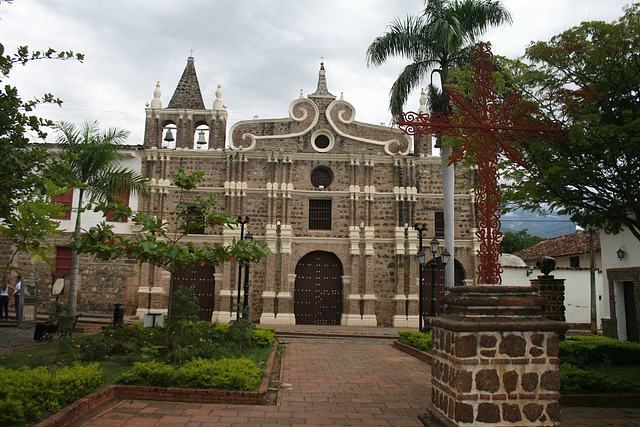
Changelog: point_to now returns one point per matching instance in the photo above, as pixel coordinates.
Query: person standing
(16, 294)
(4, 300)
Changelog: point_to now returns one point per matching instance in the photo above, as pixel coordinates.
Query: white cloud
(262, 52)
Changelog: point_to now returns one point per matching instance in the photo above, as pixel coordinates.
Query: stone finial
(187, 94)
(301, 94)
(156, 102)
(218, 104)
(322, 91)
(423, 103)
(547, 265)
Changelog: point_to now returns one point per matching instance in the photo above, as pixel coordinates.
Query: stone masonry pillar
(495, 359)
(553, 289)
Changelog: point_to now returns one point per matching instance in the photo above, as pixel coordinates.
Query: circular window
(322, 141)
(321, 177)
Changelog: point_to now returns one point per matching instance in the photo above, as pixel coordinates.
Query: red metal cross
(486, 126)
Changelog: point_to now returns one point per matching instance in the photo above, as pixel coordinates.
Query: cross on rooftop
(485, 126)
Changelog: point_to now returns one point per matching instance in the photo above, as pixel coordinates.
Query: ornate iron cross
(486, 126)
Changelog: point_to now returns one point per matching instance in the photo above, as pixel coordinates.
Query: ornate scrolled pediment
(302, 111)
(340, 114)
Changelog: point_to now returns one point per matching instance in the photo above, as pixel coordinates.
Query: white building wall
(130, 159)
(610, 244)
(577, 293)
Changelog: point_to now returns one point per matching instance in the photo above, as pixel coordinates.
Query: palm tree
(435, 41)
(93, 168)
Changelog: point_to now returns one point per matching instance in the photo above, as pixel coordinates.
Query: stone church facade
(333, 198)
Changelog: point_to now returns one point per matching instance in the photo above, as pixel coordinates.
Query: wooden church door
(318, 289)
(203, 282)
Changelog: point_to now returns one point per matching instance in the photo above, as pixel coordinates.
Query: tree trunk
(75, 260)
(448, 183)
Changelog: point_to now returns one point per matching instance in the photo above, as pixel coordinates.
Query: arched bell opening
(169, 136)
(201, 137)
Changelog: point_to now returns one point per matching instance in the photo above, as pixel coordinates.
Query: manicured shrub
(27, 394)
(225, 374)
(154, 374)
(264, 337)
(585, 351)
(575, 380)
(420, 340)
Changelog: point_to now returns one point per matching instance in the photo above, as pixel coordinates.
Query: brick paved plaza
(333, 382)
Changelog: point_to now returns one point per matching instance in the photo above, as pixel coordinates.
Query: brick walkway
(332, 383)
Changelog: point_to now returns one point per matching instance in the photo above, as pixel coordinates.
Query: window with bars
(319, 214)
(195, 221)
(123, 197)
(67, 200)
(62, 261)
(439, 224)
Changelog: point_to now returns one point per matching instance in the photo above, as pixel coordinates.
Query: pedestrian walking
(4, 300)
(16, 294)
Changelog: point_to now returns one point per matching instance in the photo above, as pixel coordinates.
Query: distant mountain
(547, 226)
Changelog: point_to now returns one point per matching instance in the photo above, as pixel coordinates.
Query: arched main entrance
(433, 286)
(203, 282)
(318, 289)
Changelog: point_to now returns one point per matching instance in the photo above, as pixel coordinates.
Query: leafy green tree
(435, 41)
(22, 164)
(30, 225)
(92, 166)
(513, 242)
(161, 245)
(587, 76)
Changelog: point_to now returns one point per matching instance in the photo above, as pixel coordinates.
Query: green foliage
(514, 242)
(153, 373)
(23, 165)
(160, 245)
(420, 340)
(587, 76)
(264, 337)
(184, 305)
(439, 39)
(225, 374)
(177, 342)
(26, 394)
(29, 225)
(587, 351)
(575, 380)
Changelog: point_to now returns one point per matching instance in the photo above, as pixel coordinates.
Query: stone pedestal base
(410, 321)
(495, 359)
(357, 320)
(279, 319)
(223, 317)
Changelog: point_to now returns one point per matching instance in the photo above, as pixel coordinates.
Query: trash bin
(118, 313)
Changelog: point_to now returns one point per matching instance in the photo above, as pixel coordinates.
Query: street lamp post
(242, 223)
(434, 245)
(245, 302)
(421, 260)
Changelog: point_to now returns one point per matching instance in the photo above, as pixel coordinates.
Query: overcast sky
(262, 52)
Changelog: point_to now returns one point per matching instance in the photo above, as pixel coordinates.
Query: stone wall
(495, 359)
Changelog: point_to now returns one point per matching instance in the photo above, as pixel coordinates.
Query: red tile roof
(571, 244)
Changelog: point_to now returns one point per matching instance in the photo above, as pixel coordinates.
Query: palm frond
(406, 82)
(404, 38)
